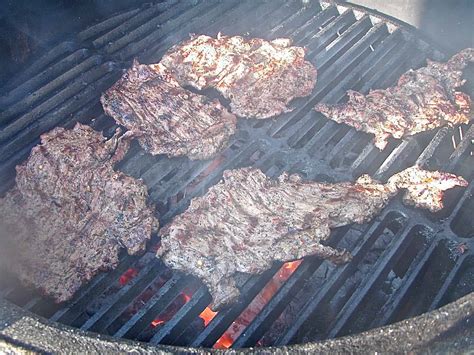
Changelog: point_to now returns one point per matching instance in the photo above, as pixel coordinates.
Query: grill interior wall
(393, 255)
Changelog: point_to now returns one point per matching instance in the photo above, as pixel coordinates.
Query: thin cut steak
(259, 77)
(70, 213)
(247, 221)
(422, 100)
(166, 118)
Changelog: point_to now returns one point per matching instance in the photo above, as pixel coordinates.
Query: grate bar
(32, 303)
(62, 114)
(154, 306)
(400, 157)
(106, 25)
(430, 149)
(295, 20)
(157, 176)
(43, 92)
(39, 66)
(397, 63)
(255, 330)
(92, 289)
(176, 29)
(173, 328)
(138, 163)
(29, 118)
(437, 302)
(26, 88)
(250, 22)
(390, 308)
(416, 61)
(341, 146)
(125, 27)
(385, 262)
(349, 34)
(183, 32)
(135, 38)
(467, 193)
(332, 283)
(329, 32)
(364, 70)
(463, 146)
(314, 24)
(333, 74)
(223, 320)
(350, 58)
(345, 83)
(212, 179)
(129, 291)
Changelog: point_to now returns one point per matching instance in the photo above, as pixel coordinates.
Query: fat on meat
(247, 221)
(258, 77)
(422, 100)
(166, 118)
(70, 213)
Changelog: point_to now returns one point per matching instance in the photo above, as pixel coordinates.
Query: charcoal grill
(406, 261)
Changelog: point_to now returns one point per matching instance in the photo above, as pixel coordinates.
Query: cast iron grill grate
(406, 261)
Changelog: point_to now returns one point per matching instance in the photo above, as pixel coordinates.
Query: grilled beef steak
(259, 77)
(247, 221)
(422, 100)
(166, 118)
(70, 213)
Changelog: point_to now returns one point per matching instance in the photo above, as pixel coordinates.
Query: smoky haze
(447, 23)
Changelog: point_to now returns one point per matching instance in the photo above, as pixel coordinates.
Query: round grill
(406, 261)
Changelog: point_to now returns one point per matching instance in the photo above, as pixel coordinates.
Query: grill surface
(406, 261)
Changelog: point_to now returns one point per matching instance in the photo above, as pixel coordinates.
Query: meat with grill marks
(70, 213)
(259, 77)
(422, 100)
(166, 118)
(247, 221)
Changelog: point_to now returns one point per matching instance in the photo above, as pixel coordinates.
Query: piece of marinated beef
(247, 221)
(70, 213)
(259, 77)
(166, 118)
(422, 100)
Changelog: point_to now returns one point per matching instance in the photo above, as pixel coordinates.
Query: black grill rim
(23, 330)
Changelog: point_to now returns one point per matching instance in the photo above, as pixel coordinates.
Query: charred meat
(422, 100)
(70, 213)
(247, 221)
(259, 77)
(166, 118)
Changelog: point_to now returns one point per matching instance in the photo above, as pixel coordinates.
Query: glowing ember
(224, 342)
(127, 276)
(288, 268)
(170, 311)
(186, 297)
(207, 315)
(258, 303)
(156, 322)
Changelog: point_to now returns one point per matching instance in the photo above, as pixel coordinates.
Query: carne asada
(422, 100)
(247, 221)
(259, 77)
(166, 118)
(70, 213)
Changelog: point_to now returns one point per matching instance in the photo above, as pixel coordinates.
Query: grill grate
(401, 254)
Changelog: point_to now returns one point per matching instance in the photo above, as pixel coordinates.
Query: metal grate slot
(62, 105)
(106, 25)
(32, 90)
(45, 63)
(395, 255)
